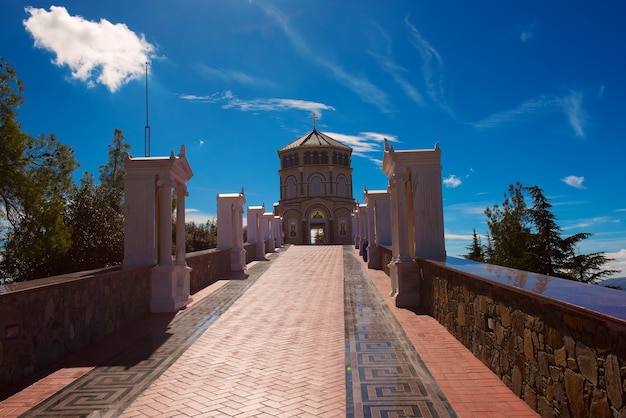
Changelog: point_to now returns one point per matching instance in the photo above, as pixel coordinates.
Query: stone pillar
(255, 215)
(378, 208)
(230, 228)
(417, 216)
(355, 228)
(362, 208)
(255, 234)
(148, 225)
(278, 231)
(268, 221)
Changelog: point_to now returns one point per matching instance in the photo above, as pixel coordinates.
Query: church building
(316, 200)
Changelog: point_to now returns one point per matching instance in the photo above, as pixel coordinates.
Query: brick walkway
(309, 333)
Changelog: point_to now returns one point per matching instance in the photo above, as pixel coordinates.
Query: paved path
(309, 333)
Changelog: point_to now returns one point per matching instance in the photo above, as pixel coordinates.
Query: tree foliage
(528, 238)
(96, 222)
(200, 236)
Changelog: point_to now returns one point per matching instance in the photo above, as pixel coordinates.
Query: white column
(165, 220)
(181, 194)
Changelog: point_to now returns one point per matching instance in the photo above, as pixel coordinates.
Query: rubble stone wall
(562, 360)
(207, 267)
(43, 320)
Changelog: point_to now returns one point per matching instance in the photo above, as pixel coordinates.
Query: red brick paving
(471, 388)
(279, 351)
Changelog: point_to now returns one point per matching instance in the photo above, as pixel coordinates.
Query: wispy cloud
(570, 105)
(528, 33)
(229, 101)
(574, 181)
(618, 263)
(589, 222)
(198, 216)
(96, 52)
(396, 71)
(432, 67)
(364, 144)
(452, 181)
(360, 85)
(229, 75)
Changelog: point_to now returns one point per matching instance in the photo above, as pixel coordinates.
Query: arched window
(324, 157)
(316, 186)
(296, 159)
(316, 157)
(342, 186)
(307, 157)
(334, 158)
(291, 187)
(285, 161)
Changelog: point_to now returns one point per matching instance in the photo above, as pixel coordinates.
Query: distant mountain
(614, 282)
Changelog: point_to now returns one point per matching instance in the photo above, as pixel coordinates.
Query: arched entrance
(317, 227)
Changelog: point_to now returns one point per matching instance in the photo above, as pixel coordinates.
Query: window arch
(342, 186)
(316, 186)
(291, 187)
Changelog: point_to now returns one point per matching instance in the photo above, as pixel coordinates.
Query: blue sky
(529, 91)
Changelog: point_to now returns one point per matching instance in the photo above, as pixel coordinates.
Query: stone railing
(559, 345)
(385, 259)
(250, 252)
(207, 267)
(42, 320)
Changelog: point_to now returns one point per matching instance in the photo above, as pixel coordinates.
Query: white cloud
(528, 33)
(618, 263)
(96, 52)
(230, 75)
(364, 143)
(198, 216)
(360, 85)
(397, 72)
(452, 181)
(229, 101)
(570, 105)
(458, 237)
(574, 181)
(432, 67)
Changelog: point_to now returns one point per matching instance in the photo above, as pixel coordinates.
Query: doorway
(317, 234)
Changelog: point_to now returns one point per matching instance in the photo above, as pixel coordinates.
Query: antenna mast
(146, 131)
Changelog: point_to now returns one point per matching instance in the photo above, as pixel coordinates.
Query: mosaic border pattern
(385, 376)
(111, 387)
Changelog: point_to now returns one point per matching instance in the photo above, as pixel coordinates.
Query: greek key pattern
(110, 388)
(385, 376)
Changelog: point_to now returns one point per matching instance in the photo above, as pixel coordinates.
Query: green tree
(112, 173)
(200, 237)
(476, 250)
(36, 183)
(509, 229)
(528, 238)
(97, 226)
(38, 238)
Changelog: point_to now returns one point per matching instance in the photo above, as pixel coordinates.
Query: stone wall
(562, 360)
(385, 259)
(43, 320)
(250, 252)
(207, 267)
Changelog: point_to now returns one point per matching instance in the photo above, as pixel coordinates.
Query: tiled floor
(309, 333)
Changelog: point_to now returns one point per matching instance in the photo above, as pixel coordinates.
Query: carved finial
(388, 146)
(314, 119)
(437, 145)
(183, 151)
(364, 189)
(242, 193)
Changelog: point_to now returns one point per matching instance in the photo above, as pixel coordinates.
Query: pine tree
(476, 251)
